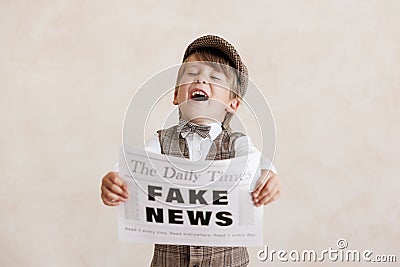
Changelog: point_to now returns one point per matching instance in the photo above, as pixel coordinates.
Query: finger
(115, 184)
(271, 185)
(125, 188)
(260, 183)
(109, 203)
(114, 178)
(266, 191)
(117, 190)
(269, 188)
(111, 196)
(266, 198)
(267, 185)
(267, 176)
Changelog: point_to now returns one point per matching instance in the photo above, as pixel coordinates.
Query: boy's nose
(201, 81)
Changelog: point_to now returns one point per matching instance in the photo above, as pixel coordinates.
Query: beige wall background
(329, 69)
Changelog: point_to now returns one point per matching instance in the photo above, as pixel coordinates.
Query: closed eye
(217, 76)
(192, 71)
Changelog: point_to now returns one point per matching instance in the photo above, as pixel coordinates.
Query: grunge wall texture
(329, 69)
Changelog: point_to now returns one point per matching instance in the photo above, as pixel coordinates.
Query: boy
(211, 65)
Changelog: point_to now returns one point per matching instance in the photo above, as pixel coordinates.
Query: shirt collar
(216, 129)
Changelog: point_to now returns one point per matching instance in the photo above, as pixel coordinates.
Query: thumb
(262, 180)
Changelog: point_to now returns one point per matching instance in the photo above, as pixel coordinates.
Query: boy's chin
(200, 118)
(210, 111)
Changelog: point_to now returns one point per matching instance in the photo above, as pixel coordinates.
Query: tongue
(200, 98)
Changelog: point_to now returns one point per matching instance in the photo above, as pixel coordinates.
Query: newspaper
(177, 201)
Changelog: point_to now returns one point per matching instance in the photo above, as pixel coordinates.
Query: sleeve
(243, 146)
(116, 167)
(153, 144)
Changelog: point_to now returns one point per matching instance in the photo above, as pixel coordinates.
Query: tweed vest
(172, 143)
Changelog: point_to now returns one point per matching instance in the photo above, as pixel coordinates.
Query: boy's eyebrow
(217, 67)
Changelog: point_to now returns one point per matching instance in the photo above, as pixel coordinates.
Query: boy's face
(204, 95)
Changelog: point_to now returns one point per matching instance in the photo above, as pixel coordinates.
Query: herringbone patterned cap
(216, 42)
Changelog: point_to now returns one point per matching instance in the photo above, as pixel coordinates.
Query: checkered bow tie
(187, 126)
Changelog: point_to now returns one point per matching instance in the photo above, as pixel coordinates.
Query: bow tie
(187, 126)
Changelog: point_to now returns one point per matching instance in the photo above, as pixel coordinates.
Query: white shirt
(198, 147)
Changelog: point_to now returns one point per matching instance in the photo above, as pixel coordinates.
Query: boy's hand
(268, 188)
(113, 189)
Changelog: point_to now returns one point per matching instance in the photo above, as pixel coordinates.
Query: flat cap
(216, 42)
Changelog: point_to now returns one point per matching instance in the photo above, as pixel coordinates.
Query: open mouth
(198, 95)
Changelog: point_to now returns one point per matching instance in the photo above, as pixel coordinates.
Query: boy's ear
(175, 101)
(234, 105)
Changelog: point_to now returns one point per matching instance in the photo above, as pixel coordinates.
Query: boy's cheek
(179, 95)
(184, 82)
